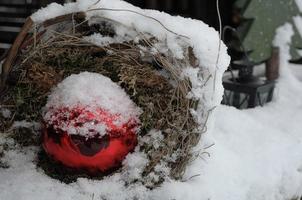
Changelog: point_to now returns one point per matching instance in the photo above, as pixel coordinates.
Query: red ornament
(99, 151)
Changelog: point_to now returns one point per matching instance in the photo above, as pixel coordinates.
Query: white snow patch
(257, 155)
(298, 22)
(299, 4)
(53, 10)
(26, 124)
(91, 91)
(154, 137)
(6, 113)
(101, 40)
(134, 165)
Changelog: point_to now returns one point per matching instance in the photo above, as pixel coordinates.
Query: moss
(165, 106)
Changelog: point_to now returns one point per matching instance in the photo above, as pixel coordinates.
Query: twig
(73, 23)
(209, 146)
(35, 35)
(204, 128)
(194, 176)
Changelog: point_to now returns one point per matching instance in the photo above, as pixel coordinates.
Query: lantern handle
(225, 28)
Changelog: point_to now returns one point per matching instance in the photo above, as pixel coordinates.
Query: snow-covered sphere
(92, 93)
(90, 122)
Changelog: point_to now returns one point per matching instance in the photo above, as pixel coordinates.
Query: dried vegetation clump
(152, 80)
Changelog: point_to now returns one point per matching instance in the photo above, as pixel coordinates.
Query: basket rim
(9, 58)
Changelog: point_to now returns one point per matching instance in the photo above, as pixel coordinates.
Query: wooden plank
(20, 6)
(5, 46)
(11, 23)
(152, 4)
(20, 2)
(182, 6)
(198, 9)
(169, 5)
(12, 20)
(12, 15)
(9, 29)
(14, 9)
(7, 37)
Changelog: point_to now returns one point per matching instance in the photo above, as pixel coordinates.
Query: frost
(153, 137)
(100, 40)
(81, 96)
(26, 124)
(6, 113)
(134, 165)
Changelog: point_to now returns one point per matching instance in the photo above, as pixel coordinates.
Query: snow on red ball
(88, 136)
(98, 153)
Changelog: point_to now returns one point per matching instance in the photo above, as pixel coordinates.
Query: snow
(25, 124)
(134, 165)
(6, 113)
(93, 93)
(100, 40)
(205, 48)
(256, 154)
(131, 22)
(154, 137)
(299, 4)
(56, 10)
(298, 23)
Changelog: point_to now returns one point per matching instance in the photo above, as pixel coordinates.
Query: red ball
(99, 152)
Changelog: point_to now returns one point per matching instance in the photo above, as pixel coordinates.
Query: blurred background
(14, 12)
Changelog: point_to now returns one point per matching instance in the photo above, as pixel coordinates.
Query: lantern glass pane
(238, 100)
(261, 99)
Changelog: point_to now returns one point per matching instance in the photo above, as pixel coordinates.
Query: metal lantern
(246, 90)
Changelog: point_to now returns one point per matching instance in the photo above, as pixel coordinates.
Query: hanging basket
(46, 53)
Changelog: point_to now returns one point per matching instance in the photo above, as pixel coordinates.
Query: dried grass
(163, 99)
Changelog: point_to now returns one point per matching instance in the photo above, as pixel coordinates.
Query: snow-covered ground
(261, 148)
(257, 155)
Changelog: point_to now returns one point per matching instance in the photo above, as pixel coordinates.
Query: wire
(138, 13)
(219, 47)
